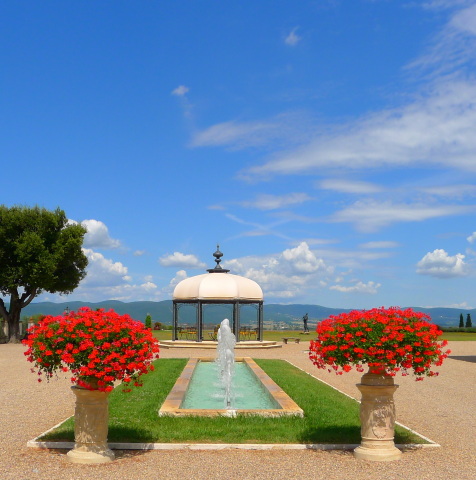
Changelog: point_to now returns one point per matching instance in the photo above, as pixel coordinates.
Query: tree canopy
(40, 251)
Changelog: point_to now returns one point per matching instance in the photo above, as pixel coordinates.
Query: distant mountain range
(288, 314)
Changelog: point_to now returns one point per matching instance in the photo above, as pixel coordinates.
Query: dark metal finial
(218, 268)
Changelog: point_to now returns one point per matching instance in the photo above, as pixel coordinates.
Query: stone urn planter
(90, 427)
(377, 417)
(389, 341)
(101, 350)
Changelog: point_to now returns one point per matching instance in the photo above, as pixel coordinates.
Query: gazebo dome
(218, 286)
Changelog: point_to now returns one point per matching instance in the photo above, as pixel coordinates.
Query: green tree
(469, 323)
(148, 321)
(461, 321)
(39, 252)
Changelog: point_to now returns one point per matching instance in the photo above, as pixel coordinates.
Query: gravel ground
(441, 408)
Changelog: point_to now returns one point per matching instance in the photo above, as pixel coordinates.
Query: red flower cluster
(97, 347)
(390, 340)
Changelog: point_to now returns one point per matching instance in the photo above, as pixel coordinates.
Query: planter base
(377, 416)
(90, 427)
(90, 455)
(378, 454)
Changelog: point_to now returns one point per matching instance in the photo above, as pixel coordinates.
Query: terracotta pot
(377, 416)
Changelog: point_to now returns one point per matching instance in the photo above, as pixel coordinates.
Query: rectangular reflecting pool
(255, 392)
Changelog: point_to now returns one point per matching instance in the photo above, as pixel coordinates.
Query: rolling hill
(288, 314)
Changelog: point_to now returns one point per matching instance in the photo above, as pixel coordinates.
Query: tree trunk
(12, 317)
(14, 325)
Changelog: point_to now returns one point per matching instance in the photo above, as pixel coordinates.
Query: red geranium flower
(98, 347)
(392, 340)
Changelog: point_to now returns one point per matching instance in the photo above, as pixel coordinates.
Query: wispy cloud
(349, 186)
(279, 131)
(259, 229)
(455, 44)
(379, 244)
(273, 202)
(436, 130)
(451, 191)
(292, 39)
(370, 216)
(180, 91)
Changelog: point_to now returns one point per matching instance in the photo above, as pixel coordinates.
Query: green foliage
(461, 321)
(39, 251)
(330, 417)
(469, 323)
(148, 321)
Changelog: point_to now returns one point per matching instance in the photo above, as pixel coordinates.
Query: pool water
(205, 390)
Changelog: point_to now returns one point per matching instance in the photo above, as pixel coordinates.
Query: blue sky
(328, 146)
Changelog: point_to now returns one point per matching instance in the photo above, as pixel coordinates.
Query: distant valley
(281, 315)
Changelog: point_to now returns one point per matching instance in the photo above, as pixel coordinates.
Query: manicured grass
(459, 336)
(272, 335)
(330, 417)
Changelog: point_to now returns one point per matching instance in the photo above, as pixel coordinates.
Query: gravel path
(441, 408)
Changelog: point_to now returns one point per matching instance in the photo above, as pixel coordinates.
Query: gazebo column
(236, 320)
(199, 321)
(175, 321)
(260, 321)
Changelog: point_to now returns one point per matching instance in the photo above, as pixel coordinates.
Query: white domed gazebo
(218, 286)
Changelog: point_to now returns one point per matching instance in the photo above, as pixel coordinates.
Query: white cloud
(273, 202)
(179, 276)
(472, 238)
(139, 253)
(369, 216)
(180, 91)
(441, 265)
(110, 280)
(178, 259)
(284, 275)
(359, 287)
(102, 271)
(302, 260)
(349, 186)
(98, 235)
(292, 39)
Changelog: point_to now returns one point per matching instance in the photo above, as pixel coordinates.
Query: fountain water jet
(226, 359)
(264, 397)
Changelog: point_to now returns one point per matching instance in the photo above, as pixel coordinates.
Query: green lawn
(272, 335)
(330, 417)
(459, 336)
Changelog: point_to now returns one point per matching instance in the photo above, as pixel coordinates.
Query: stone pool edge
(171, 405)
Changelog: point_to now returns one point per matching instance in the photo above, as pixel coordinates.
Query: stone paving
(441, 408)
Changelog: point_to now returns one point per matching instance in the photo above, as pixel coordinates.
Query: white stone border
(35, 443)
(222, 446)
(432, 443)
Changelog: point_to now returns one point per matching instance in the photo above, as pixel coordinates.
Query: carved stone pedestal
(377, 416)
(90, 430)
